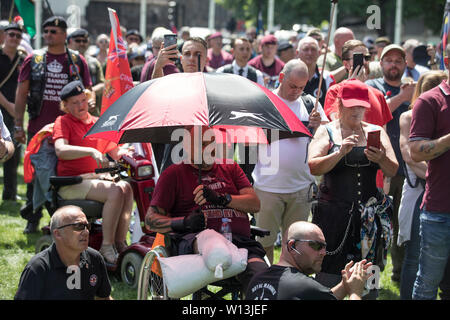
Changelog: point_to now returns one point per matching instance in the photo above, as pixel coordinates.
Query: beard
(393, 76)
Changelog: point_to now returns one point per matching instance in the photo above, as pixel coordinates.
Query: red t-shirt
(273, 70)
(73, 130)
(431, 120)
(57, 75)
(378, 114)
(175, 187)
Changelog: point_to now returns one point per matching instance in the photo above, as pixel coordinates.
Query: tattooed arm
(425, 150)
(157, 220)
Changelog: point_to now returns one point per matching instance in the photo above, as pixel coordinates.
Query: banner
(26, 11)
(118, 79)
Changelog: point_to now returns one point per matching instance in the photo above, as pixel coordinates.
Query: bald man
(334, 58)
(283, 183)
(302, 254)
(68, 269)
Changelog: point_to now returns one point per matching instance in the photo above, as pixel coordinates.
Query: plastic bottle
(225, 229)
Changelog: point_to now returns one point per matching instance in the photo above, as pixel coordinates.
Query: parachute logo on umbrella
(238, 115)
(111, 121)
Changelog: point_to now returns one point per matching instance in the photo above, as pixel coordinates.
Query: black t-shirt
(46, 278)
(286, 283)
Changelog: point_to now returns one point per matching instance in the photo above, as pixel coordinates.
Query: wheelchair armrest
(65, 181)
(259, 232)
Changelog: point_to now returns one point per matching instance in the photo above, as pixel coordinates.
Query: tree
(289, 12)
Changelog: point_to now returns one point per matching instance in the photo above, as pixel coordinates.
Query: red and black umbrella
(151, 111)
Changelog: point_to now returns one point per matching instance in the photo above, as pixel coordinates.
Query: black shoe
(32, 227)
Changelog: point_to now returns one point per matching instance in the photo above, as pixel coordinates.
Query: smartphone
(373, 139)
(358, 60)
(170, 39)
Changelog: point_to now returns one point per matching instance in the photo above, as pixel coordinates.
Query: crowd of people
(338, 202)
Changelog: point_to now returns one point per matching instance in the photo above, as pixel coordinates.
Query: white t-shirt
(282, 166)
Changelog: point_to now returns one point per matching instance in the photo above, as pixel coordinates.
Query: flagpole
(398, 22)
(143, 20)
(11, 11)
(212, 15)
(270, 11)
(38, 23)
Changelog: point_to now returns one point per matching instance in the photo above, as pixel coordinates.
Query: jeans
(411, 259)
(434, 252)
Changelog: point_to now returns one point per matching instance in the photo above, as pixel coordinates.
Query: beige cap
(390, 48)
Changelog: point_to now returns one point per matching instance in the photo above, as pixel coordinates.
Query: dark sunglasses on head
(12, 35)
(80, 40)
(313, 244)
(79, 226)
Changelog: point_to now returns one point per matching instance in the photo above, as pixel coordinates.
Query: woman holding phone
(341, 153)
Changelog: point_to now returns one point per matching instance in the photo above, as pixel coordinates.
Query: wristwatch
(225, 199)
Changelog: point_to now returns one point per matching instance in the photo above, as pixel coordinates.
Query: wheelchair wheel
(43, 243)
(151, 283)
(130, 267)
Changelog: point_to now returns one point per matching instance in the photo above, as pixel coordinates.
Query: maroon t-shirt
(273, 70)
(175, 187)
(57, 75)
(430, 121)
(147, 69)
(222, 59)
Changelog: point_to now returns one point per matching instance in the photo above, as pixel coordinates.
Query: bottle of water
(225, 229)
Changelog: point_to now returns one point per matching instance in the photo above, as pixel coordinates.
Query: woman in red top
(81, 156)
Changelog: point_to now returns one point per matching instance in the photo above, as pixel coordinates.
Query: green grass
(16, 249)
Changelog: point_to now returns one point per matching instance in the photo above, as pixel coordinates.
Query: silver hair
(307, 39)
(294, 65)
(59, 216)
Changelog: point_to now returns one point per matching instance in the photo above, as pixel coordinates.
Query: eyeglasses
(12, 35)
(52, 31)
(79, 226)
(313, 244)
(80, 40)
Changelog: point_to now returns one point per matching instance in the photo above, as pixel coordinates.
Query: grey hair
(58, 217)
(158, 34)
(294, 65)
(307, 39)
(410, 45)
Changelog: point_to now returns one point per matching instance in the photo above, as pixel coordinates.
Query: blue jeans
(434, 252)
(411, 259)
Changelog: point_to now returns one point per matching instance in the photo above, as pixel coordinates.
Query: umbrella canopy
(151, 111)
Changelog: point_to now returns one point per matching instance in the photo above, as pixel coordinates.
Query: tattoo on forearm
(427, 147)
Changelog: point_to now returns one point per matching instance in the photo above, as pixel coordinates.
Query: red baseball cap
(354, 93)
(269, 39)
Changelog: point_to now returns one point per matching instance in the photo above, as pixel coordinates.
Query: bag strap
(10, 72)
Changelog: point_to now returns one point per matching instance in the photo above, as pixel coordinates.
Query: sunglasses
(79, 226)
(12, 35)
(313, 244)
(52, 31)
(80, 40)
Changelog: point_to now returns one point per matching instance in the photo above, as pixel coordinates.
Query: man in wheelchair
(79, 156)
(187, 200)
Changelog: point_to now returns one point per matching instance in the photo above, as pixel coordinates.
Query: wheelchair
(152, 285)
(138, 171)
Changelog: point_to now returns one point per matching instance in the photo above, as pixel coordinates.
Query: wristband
(177, 224)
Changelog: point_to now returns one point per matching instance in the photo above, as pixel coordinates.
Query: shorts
(77, 191)
(280, 210)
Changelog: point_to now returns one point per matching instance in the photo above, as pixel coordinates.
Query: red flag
(118, 78)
